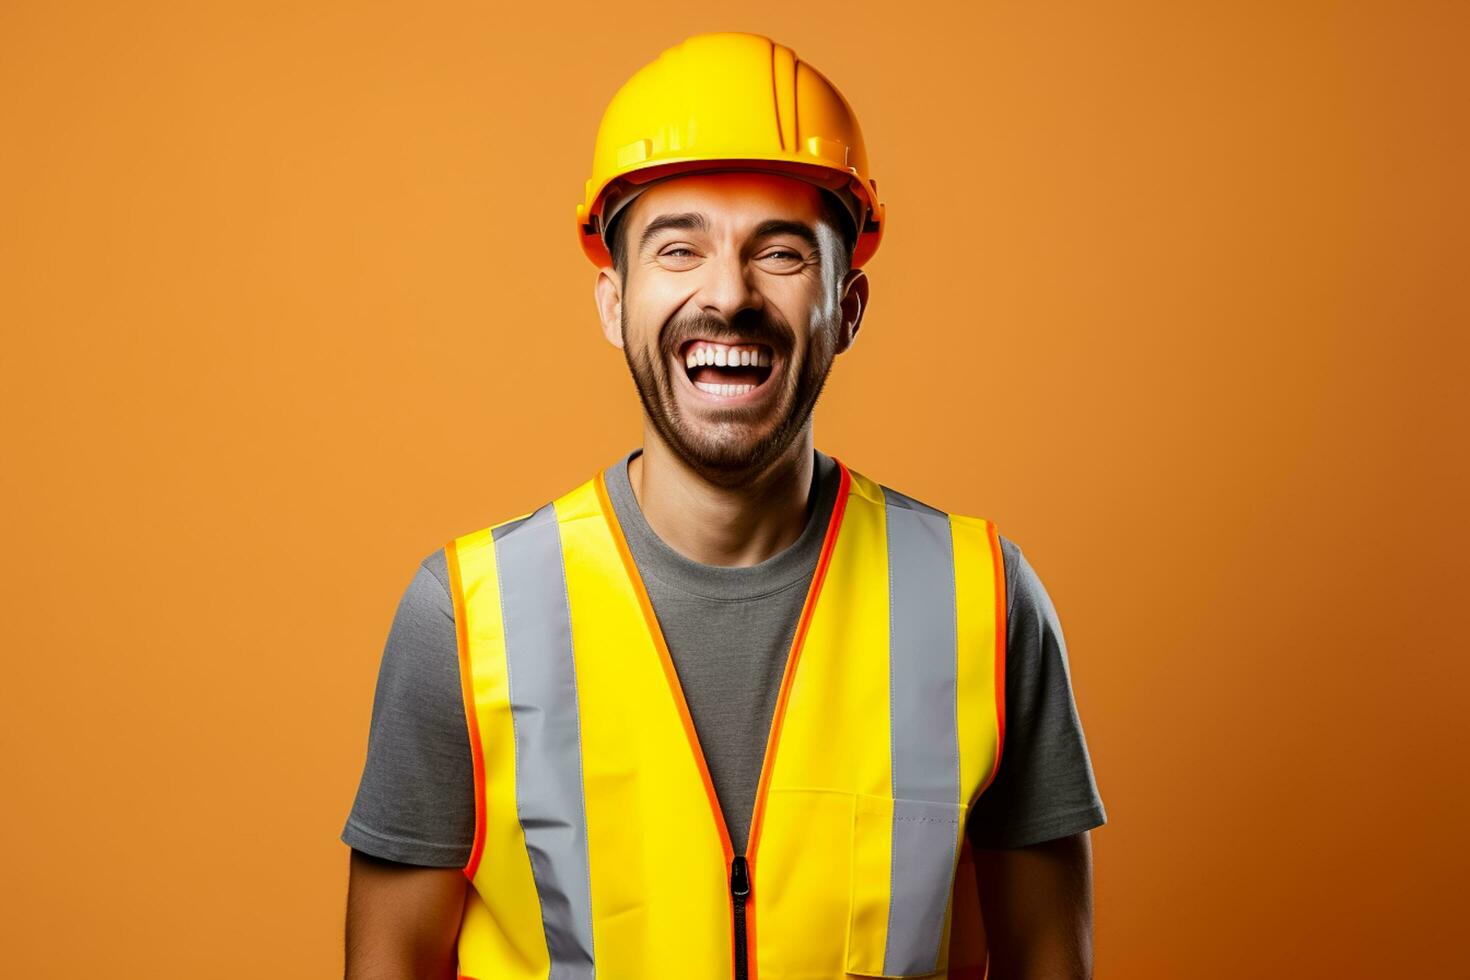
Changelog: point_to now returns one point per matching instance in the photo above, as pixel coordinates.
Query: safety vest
(600, 849)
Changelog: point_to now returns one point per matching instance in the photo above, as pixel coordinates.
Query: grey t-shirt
(729, 631)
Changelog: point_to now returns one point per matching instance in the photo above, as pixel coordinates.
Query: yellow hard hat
(728, 101)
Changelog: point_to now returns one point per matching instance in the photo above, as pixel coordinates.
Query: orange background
(1173, 292)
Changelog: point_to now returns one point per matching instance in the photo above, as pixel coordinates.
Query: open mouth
(726, 370)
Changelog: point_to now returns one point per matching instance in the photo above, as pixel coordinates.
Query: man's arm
(1029, 831)
(1037, 906)
(402, 920)
(412, 825)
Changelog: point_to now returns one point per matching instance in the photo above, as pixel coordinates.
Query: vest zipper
(740, 890)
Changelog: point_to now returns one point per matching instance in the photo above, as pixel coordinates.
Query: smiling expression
(731, 310)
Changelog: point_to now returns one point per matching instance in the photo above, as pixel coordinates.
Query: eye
(676, 257)
(783, 259)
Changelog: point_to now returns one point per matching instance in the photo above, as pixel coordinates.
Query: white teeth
(727, 391)
(722, 355)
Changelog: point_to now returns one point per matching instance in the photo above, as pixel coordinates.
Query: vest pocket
(903, 866)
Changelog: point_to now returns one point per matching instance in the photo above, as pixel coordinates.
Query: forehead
(734, 197)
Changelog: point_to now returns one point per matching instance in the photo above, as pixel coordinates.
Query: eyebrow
(779, 226)
(694, 221)
(688, 221)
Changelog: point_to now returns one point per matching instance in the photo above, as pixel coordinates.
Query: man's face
(730, 314)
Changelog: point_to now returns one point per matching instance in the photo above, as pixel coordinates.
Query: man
(730, 708)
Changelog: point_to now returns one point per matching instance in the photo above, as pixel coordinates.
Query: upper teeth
(724, 355)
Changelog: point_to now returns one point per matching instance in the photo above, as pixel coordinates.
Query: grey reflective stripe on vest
(542, 679)
(923, 645)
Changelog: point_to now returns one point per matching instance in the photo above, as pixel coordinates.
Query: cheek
(799, 298)
(652, 305)
(800, 308)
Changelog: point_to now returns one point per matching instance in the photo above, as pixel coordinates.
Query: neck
(718, 525)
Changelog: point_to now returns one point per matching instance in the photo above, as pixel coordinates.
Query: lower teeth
(727, 390)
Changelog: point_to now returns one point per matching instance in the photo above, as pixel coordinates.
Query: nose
(726, 288)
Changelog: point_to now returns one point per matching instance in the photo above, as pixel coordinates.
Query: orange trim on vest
(467, 689)
(999, 575)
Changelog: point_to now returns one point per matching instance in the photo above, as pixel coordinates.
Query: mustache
(747, 327)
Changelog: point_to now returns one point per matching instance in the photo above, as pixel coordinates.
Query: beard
(732, 444)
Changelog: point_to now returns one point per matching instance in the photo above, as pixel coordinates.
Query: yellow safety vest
(600, 848)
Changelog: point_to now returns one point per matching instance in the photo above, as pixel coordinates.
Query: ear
(608, 293)
(853, 304)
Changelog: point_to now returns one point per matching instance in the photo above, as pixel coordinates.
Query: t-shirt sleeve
(1045, 787)
(416, 800)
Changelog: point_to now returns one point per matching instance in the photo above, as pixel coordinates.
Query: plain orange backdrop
(1174, 292)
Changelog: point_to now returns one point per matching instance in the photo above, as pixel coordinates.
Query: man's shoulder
(436, 565)
(579, 500)
(880, 491)
(1018, 574)
(427, 595)
(1011, 558)
(488, 532)
(1029, 607)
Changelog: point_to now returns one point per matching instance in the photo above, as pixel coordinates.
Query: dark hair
(833, 211)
